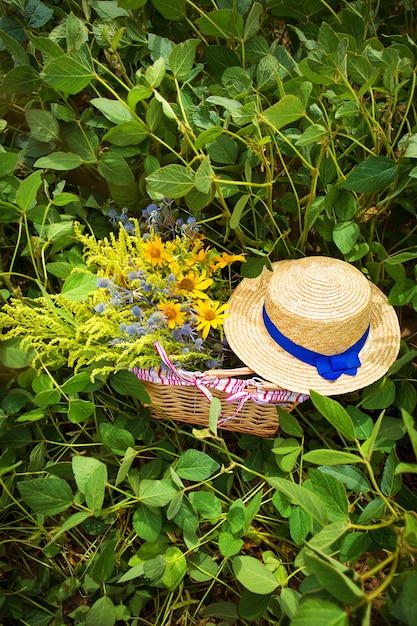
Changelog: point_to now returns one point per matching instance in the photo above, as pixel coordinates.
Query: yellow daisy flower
(172, 311)
(226, 259)
(193, 284)
(155, 252)
(209, 314)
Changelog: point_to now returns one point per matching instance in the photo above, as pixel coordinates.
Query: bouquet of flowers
(157, 281)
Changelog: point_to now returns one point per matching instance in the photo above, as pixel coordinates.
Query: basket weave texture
(247, 405)
(188, 404)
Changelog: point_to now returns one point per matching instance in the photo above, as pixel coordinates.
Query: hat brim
(251, 342)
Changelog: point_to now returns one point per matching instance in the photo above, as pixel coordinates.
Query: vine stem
(387, 580)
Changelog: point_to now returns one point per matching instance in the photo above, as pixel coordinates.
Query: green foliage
(282, 136)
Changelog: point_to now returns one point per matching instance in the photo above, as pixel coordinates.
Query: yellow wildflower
(155, 252)
(209, 314)
(227, 259)
(172, 312)
(193, 284)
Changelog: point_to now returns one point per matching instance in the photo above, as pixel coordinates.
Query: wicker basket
(185, 402)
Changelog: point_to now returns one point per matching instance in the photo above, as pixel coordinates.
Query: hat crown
(320, 303)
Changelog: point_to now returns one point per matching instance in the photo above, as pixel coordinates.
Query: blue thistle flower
(103, 283)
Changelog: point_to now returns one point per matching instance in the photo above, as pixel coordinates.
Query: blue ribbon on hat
(329, 367)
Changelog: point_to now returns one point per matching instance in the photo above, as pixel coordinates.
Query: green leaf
(127, 134)
(105, 563)
(236, 516)
(42, 124)
(102, 613)
(95, 488)
(353, 546)
(331, 457)
(222, 23)
(335, 414)
(78, 286)
(402, 294)
(252, 606)
(12, 356)
(22, 79)
(252, 21)
(316, 612)
(373, 174)
(300, 523)
(405, 607)
(207, 505)
(335, 581)
(222, 610)
(173, 181)
(412, 433)
(80, 410)
(390, 482)
(352, 477)
(114, 110)
(117, 439)
(47, 496)
(175, 569)
(238, 211)
(313, 134)
(301, 496)
(254, 575)
(195, 465)
(182, 57)
(69, 73)
(203, 567)
(345, 235)
(47, 398)
(223, 150)
(126, 383)
(379, 395)
(135, 572)
(155, 73)
(8, 162)
(214, 414)
(32, 416)
(331, 492)
(204, 176)
(287, 110)
(289, 424)
(13, 47)
(229, 545)
(61, 161)
(28, 190)
(156, 493)
(147, 522)
(76, 32)
(170, 9)
(208, 136)
(125, 466)
(114, 169)
(83, 468)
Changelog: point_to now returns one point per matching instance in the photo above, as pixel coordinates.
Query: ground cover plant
(279, 131)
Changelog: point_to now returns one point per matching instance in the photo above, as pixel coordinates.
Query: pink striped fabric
(238, 390)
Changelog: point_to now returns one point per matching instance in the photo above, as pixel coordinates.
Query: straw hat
(286, 324)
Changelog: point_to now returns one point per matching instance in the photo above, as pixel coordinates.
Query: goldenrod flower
(155, 252)
(209, 314)
(193, 284)
(172, 312)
